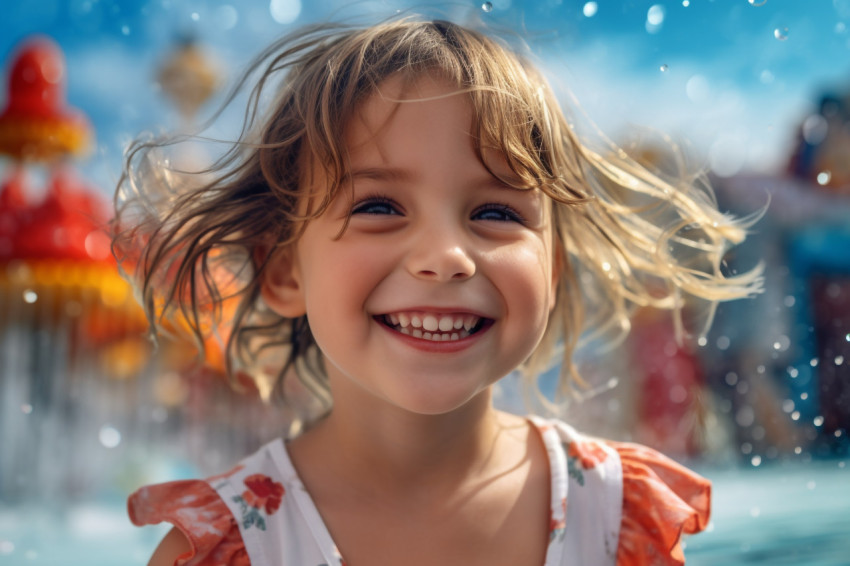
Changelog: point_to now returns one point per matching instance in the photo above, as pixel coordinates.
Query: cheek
(526, 273)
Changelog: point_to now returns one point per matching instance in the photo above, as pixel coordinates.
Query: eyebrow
(378, 174)
(394, 174)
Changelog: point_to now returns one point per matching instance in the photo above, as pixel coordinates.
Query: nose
(440, 256)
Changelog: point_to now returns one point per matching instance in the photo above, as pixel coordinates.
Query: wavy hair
(195, 244)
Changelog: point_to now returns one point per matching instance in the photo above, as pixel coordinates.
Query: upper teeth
(431, 322)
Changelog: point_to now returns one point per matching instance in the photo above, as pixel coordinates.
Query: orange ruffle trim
(662, 500)
(195, 508)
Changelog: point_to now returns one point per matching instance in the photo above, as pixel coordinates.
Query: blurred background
(758, 91)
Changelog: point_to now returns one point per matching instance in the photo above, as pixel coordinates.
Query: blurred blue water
(784, 514)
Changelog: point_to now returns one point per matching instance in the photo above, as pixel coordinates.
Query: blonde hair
(195, 245)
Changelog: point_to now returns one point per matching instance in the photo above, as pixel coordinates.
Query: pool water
(783, 514)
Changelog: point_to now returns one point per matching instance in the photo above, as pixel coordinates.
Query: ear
(280, 285)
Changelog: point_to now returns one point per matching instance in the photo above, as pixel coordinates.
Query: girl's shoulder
(632, 500)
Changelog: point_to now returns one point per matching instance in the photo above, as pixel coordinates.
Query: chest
(481, 529)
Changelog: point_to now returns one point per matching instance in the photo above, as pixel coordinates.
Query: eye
(497, 212)
(376, 206)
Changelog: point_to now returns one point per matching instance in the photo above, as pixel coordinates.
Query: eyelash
(391, 207)
(512, 214)
(362, 205)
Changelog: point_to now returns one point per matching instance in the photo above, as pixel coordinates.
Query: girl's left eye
(376, 206)
(497, 212)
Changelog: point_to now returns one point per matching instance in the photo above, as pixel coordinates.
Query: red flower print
(590, 454)
(263, 493)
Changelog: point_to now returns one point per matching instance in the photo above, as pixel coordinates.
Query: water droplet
(818, 421)
(26, 409)
(781, 34)
(606, 266)
(109, 436)
(789, 301)
(125, 30)
(30, 296)
(793, 372)
(196, 16)
(839, 360)
(804, 396)
(815, 129)
(756, 460)
(589, 10)
(838, 433)
(813, 362)
(798, 450)
(655, 18)
(758, 2)
(731, 378)
(746, 448)
(788, 405)
(487, 6)
(795, 416)
(745, 416)
(686, 3)
(824, 177)
(655, 15)
(663, 68)
(702, 341)
(847, 337)
(723, 342)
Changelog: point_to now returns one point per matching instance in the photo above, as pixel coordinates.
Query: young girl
(412, 220)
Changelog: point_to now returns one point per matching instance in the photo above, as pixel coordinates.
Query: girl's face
(442, 282)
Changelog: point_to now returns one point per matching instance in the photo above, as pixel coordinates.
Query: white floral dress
(612, 504)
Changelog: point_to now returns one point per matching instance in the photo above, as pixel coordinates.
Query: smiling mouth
(435, 327)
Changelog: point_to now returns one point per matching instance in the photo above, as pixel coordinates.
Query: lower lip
(425, 345)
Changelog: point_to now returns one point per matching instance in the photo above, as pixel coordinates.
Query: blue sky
(734, 77)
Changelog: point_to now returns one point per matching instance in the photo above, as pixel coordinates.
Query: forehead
(393, 107)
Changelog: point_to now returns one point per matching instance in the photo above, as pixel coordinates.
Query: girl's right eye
(376, 206)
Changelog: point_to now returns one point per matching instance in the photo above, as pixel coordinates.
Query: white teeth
(430, 323)
(434, 327)
(446, 323)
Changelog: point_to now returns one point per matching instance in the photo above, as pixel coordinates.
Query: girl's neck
(391, 450)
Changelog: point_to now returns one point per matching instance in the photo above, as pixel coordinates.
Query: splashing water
(781, 34)
(663, 68)
(487, 6)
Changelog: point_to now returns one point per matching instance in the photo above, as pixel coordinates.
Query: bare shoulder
(172, 545)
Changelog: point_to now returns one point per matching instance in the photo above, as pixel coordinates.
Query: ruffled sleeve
(195, 508)
(661, 501)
